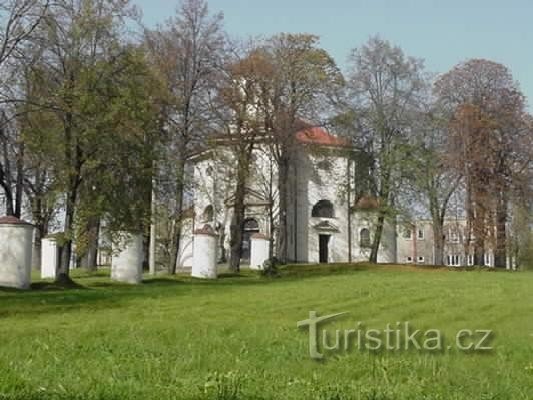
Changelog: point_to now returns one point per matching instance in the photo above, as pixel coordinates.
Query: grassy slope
(183, 339)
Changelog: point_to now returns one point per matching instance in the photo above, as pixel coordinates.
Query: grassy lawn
(236, 338)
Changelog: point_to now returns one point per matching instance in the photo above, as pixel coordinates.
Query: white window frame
(409, 259)
(421, 260)
(453, 260)
(420, 231)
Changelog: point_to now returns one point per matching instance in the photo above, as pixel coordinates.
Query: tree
(432, 183)
(242, 117)
(298, 90)
(487, 114)
(19, 20)
(385, 88)
(186, 54)
(90, 84)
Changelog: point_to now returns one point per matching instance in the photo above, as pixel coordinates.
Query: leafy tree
(90, 83)
(300, 88)
(487, 113)
(385, 88)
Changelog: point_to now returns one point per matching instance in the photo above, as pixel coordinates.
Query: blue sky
(442, 32)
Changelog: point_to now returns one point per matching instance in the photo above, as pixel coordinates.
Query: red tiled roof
(10, 220)
(260, 236)
(206, 230)
(317, 135)
(367, 203)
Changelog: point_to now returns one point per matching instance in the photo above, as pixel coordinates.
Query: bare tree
(430, 180)
(186, 53)
(242, 117)
(19, 20)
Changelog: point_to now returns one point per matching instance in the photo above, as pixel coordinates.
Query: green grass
(236, 338)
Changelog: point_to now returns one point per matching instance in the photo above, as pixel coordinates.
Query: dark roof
(10, 220)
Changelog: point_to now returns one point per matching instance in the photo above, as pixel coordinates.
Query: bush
(271, 268)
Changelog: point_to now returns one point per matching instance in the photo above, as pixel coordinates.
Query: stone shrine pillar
(260, 250)
(127, 258)
(16, 238)
(204, 263)
(49, 258)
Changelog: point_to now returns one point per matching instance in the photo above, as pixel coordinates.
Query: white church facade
(324, 224)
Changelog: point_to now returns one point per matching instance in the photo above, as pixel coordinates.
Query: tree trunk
(176, 240)
(41, 221)
(437, 218)
(500, 253)
(63, 270)
(37, 250)
(438, 242)
(283, 183)
(377, 238)
(9, 201)
(237, 225)
(19, 187)
(153, 230)
(92, 248)
(221, 248)
(73, 163)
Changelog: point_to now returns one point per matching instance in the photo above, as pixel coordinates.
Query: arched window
(208, 214)
(323, 209)
(364, 238)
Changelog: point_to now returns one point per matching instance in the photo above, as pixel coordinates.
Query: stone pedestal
(204, 263)
(260, 251)
(127, 258)
(15, 253)
(49, 255)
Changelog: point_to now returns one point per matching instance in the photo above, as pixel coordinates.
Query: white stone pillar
(49, 254)
(16, 238)
(259, 252)
(204, 262)
(127, 258)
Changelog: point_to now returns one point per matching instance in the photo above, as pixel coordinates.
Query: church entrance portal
(251, 227)
(324, 248)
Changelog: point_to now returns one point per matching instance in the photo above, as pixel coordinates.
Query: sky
(442, 32)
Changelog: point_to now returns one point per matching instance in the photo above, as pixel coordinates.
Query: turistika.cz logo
(400, 336)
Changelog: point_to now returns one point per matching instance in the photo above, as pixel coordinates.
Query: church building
(324, 224)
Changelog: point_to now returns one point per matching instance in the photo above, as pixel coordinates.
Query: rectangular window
(470, 260)
(453, 260)
(421, 234)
